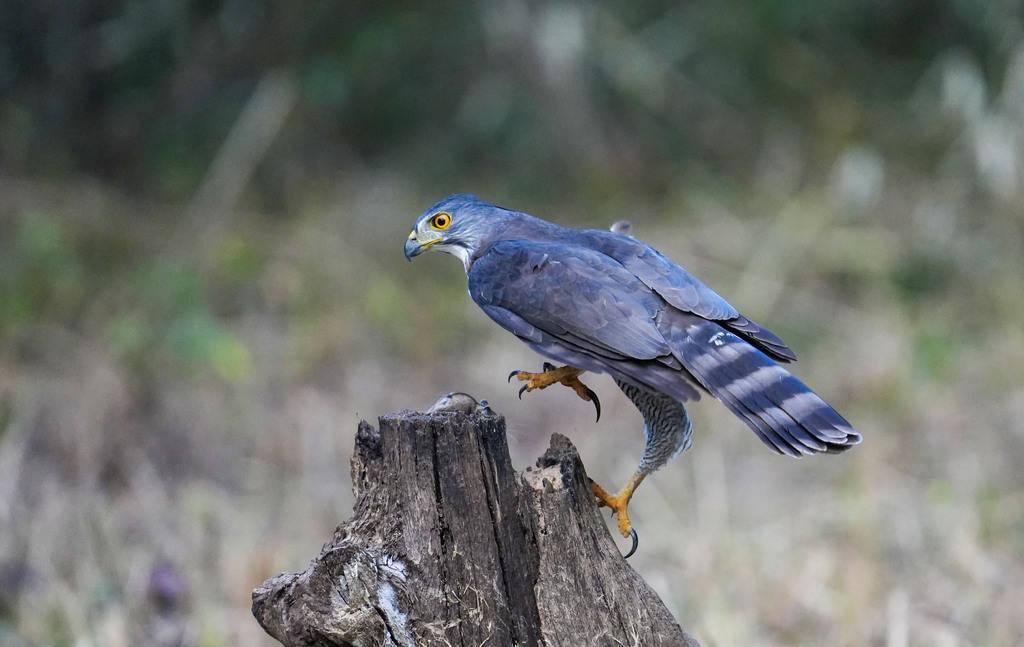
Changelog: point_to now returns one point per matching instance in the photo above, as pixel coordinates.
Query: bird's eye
(441, 220)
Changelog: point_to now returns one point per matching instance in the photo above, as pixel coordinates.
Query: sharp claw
(512, 375)
(526, 386)
(597, 403)
(636, 542)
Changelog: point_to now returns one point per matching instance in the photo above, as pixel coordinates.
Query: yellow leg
(619, 502)
(566, 375)
(534, 381)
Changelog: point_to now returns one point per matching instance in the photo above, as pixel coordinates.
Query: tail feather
(784, 413)
(769, 429)
(761, 337)
(737, 370)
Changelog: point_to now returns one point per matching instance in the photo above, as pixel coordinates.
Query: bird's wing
(683, 290)
(583, 302)
(576, 298)
(572, 293)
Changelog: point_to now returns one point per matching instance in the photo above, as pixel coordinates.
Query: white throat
(459, 252)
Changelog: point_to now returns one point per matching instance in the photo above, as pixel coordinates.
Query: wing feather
(685, 291)
(582, 307)
(573, 294)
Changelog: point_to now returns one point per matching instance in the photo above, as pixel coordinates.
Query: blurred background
(202, 290)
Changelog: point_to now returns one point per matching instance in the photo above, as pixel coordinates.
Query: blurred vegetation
(202, 206)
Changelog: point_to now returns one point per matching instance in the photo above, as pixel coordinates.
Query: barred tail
(785, 414)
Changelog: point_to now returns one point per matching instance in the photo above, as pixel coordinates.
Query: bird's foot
(551, 375)
(619, 504)
(566, 375)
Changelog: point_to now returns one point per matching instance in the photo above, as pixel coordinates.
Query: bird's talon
(566, 375)
(619, 503)
(583, 391)
(597, 403)
(636, 543)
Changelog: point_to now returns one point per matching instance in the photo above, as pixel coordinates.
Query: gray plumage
(668, 431)
(608, 303)
(623, 227)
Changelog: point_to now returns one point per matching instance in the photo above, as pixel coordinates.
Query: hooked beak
(413, 247)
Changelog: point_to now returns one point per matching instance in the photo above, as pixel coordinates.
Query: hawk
(604, 302)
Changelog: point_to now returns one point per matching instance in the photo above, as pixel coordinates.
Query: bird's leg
(551, 375)
(620, 502)
(566, 375)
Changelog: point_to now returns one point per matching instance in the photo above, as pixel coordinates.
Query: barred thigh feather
(784, 413)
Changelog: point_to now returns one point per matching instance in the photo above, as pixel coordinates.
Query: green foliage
(40, 276)
(199, 342)
(922, 275)
(935, 351)
(55, 274)
(173, 319)
(148, 97)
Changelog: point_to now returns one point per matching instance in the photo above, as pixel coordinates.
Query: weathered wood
(448, 545)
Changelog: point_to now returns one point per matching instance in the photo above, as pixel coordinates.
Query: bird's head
(459, 225)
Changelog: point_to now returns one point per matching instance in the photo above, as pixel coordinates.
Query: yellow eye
(441, 220)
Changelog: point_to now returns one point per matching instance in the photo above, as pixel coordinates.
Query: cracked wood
(449, 545)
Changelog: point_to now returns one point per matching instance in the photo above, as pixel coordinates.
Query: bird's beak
(413, 246)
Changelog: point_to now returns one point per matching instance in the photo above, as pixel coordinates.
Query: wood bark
(448, 545)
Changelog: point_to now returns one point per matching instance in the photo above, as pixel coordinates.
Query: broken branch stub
(448, 545)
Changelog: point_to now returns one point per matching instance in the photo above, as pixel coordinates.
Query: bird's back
(670, 281)
(589, 293)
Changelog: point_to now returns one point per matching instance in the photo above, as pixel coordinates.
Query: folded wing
(683, 290)
(581, 307)
(578, 303)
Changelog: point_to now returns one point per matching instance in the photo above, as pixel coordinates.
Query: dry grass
(116, 478)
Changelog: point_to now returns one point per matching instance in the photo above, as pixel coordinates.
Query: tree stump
(448, 545)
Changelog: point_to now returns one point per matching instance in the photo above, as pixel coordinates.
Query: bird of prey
(605, 302)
